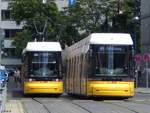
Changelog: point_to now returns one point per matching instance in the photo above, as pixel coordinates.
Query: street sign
(138, 58)
(146, 57)
(72, 2)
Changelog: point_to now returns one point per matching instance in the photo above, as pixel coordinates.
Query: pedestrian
(17, 77)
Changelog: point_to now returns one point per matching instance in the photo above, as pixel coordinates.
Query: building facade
(144, 65)
(8, 54)
(145, 26)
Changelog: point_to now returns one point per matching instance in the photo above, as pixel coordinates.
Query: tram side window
(78, 66)
(68, 70)
(71, 71)
(88, 63)
(74, 67)
(83, 66)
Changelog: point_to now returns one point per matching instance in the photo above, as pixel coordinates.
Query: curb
(143, 90)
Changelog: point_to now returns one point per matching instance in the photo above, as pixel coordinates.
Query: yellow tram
(100, 65)
(41, 68)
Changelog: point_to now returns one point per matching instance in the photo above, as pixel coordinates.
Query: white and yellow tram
(41, 68)
(100, 65)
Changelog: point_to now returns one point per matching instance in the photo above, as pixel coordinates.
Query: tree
(75, 22)
(41, 20)
(21, 39)
(97, 15)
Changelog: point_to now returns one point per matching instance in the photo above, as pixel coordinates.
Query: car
(3, 77)
(10, 71)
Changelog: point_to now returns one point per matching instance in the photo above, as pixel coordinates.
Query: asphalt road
(45, 104)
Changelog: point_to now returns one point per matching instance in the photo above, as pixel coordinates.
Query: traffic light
(119, 23)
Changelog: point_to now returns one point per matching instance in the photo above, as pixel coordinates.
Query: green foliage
(96, 15)
(41, 20)
(21, 39)
(32, 9)
(75, 22)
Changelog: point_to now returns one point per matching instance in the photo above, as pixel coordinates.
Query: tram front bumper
(117, 89)
(39, 87)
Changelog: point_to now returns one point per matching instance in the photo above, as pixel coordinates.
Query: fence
(143, 78)
(142, 75)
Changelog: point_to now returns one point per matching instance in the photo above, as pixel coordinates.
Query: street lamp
(136, 22)
(119, 5)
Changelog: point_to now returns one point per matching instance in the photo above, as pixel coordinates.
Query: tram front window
(111, 60)
(43, 64)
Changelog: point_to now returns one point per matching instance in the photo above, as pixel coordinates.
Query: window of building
(9, 53)
(5, 14)
(9, 33)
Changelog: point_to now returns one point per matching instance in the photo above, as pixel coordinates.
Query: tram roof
(98, 39)
(111, 38)
(43, 46)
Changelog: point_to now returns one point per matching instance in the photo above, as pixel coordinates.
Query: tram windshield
(111, 60)
(44, 64)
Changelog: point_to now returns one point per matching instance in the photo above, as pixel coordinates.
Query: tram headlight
(30, 79)
(57, 80)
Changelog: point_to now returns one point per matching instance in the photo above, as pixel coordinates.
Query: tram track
(124, 107)
(72, 105)
(48, 111)
(78, 105)
(112, 103)
(70, 101)
(138, 102)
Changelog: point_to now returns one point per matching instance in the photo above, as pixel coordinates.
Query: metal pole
(147, 74)
(137, 66)
(136, 78)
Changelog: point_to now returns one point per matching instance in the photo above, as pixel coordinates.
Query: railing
(144, 78)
